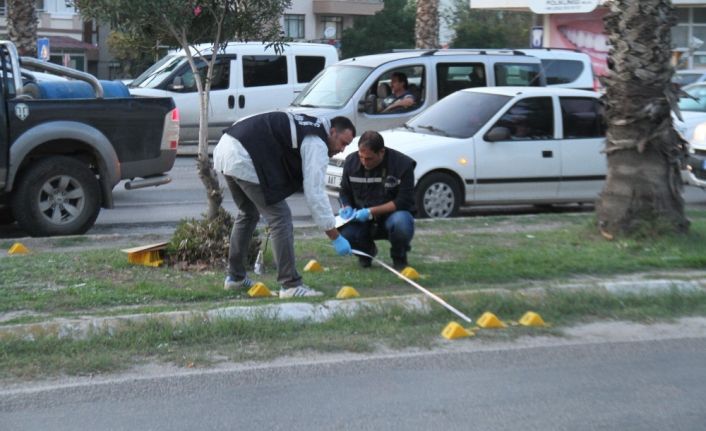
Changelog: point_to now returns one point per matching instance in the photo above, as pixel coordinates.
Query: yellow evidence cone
(18, 248)
(313, 266)
(259, 290)
(347, 292)
(410, 273)
(531, 318)
(453, 330)
(489, 320)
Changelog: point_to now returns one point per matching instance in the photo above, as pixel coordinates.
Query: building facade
(584, 31)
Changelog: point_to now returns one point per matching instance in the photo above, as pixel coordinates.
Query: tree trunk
(22, 26)
(643, 186)
(426, 28)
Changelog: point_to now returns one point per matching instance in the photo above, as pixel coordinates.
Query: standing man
(377, 190)
(266, 158)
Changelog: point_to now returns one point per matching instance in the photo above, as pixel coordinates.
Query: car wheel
(6, 216)
(438, 196)
(56, 196)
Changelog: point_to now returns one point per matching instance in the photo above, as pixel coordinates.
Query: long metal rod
(422, 289)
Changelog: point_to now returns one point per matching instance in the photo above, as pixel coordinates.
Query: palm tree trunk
(643, 187)
(22, 26)
(426, 28)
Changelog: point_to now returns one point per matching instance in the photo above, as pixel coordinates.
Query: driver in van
(401, 98)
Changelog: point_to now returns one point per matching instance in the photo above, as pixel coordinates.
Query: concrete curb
(81, 328)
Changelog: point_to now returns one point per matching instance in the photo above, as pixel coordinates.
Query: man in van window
(401, 98)
(266, 158)
(377, 195)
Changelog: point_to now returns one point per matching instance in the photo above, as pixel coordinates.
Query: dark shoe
(399, 263)
(364, 262)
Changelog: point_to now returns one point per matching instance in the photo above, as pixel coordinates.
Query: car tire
(6, 216)
(438, 195)
(56, 196)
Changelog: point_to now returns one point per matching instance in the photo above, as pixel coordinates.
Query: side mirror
(368, 104)
(498, 134)
(177, 84)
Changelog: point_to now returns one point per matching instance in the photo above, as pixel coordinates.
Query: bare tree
(643, 187)
(426, 28)
(22, 25)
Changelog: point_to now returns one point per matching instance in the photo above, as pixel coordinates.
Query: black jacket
(273, 140)
(392, 180)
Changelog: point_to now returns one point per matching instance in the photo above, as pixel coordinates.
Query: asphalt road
(642, 385)
(159, 209)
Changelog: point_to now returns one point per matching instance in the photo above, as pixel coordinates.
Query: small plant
(205, 243)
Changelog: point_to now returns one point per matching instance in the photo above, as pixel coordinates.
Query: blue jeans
(398, 228)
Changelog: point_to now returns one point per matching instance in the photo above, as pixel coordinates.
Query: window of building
(691, 25)
(294, 26)
(3, 6)
(261, 70)
(332, 27)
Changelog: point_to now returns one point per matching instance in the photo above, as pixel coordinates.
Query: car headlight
(698, 140)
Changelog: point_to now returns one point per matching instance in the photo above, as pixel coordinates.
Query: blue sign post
(43, 48)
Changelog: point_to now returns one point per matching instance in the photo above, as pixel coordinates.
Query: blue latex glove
(346, 212)
(341, 245)
(363, 215)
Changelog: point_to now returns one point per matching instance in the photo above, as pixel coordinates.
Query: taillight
(170, 135)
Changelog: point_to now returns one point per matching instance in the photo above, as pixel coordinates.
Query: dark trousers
(398, 228)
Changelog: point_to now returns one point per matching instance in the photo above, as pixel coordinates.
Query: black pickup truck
(66, 143)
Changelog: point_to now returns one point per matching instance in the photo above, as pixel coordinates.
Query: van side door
(264, 84)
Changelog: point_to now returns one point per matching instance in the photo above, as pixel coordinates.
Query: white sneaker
(230, 284)
(299, 291)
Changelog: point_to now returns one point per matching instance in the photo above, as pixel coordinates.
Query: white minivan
(248, 78)
(355, 87)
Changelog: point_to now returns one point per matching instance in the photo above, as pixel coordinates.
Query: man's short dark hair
(402, 77)
(372, 140)
(342, 124)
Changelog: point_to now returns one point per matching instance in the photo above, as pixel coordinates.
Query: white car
(501, 145)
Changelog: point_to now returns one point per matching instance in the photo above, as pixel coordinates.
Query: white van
(248, 78)
(566, 68)
(355, 87)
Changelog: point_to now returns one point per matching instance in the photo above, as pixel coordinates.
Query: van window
(221, 76)
(308, 67)
(561, 71)
(261, 70)
(582, 117)
(384, 92)
(158, 72)
(509, 74)
(529, 119)
(452, 77)
(333, 87)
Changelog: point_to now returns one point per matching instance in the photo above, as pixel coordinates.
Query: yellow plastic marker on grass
(489, 321)
(313, 266)
(453, 331)
(347, 292)
(531, 318)
(18, 248)
(259, 290)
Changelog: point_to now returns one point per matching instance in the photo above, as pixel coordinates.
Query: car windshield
(685, 78)
(697, 92)
(333, 87)
(459, 115)
(158, 72)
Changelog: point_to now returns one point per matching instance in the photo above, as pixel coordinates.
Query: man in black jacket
(377, 192)
(266, 158)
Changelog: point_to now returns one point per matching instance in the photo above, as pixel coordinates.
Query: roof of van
(260, 47)
(375, 60)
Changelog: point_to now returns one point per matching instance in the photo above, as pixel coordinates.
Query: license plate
(333, 181)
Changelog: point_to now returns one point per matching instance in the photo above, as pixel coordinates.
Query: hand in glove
(346, 212)
(363, 215)
(341, 245)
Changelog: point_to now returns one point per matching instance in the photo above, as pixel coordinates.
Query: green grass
(458, 254)
(201, 344)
